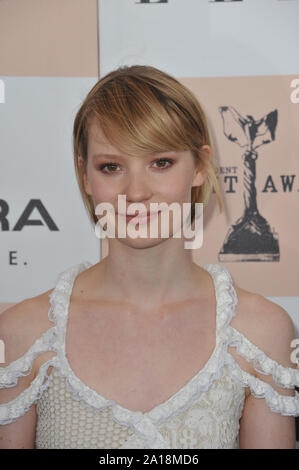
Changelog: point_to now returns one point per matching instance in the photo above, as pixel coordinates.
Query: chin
(141, 243)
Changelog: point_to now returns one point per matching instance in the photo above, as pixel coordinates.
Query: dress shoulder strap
(51, 340)
(60, 300)
(282, 376)
(226, 297)
(60, 296)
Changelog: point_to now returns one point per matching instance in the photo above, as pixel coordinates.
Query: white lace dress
(204, 413)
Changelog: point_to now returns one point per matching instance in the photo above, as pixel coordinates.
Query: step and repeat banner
(241, 59)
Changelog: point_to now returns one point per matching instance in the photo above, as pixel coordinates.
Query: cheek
(178, 189)
(101, 191)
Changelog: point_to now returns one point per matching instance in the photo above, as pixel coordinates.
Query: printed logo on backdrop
(251, 237)
(24, 219)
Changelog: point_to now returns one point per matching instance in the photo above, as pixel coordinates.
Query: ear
(85, 178)
(201, 171)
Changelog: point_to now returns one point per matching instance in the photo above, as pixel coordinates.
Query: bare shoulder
(266, 324)
(28, 314)
(23, 323)
(20, 326)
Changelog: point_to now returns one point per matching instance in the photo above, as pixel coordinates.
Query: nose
(137, 187)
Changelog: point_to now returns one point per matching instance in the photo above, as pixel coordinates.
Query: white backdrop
(37, 184)
(201, 38)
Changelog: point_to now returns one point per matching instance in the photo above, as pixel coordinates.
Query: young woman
(146, 349)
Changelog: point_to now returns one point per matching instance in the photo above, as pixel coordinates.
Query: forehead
(97, 138)
(98, 144)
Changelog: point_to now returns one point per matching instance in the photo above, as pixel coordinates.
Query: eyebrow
(111, 155)
(106, 155)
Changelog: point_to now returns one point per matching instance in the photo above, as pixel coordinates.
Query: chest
(139, 360)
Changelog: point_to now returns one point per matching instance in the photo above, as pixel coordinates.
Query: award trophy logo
(250, 238)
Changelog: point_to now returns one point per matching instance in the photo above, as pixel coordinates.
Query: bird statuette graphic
(251, 237)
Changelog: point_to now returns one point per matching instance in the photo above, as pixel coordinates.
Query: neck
(150, 277)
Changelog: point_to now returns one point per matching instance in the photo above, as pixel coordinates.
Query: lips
(141, 215)
(143, 218)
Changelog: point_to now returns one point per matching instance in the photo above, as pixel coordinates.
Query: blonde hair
(140, 110)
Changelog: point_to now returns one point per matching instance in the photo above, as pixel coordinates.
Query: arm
(272, 330)
(20, 326)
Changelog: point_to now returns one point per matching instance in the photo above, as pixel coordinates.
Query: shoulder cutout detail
(50, 340)
(285, 405)
(11, 411)
(285, 377)
(22, 366)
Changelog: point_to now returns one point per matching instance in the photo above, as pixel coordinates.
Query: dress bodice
(204, 413)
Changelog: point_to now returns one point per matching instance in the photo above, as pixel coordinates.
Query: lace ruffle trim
(138, 423)
(50, 340)
(285, 405)
(22, 366)
(145, 423)
(285, 377)
(14, 409)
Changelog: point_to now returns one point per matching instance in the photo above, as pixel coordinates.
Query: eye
(167, 160)
(110, 164)
(170, 162)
